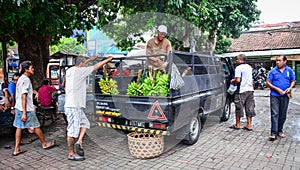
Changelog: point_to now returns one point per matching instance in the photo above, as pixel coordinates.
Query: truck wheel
(194, 131)
(226, 111)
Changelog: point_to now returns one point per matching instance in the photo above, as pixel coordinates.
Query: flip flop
(272, 138)
(76, 158)
(282, 135)
(20, 152)
(78, 149)
(53, 144)
(234, 127)
(245, 128)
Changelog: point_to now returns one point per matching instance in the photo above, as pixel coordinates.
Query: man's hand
(103, 62)
(92, 58)
(24, 117)
(282, 92)
(232, 81)
(287, 91)
(13, 111)
(110, 58)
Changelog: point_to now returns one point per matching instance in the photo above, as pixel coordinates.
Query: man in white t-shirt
(25, 116)
(75, 102)
(243, 99)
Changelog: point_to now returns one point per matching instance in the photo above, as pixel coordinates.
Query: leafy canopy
(214, 18)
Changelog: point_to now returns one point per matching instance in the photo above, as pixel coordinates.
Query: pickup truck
(183, 111)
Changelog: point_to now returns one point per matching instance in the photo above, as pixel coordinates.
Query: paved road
(219, 147)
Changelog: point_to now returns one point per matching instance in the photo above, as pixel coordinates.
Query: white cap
(162, 28)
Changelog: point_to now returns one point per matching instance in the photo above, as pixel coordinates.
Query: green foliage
(68, 45)
(216, 17)
(35, 24)
(222, 45)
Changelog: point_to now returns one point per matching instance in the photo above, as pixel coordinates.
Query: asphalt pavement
(218, 147)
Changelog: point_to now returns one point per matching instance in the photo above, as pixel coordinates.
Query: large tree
(215, 19)
(35, 24)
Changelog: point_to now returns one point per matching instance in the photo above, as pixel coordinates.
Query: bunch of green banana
(108, 86)
(148, 85)
(157, 84)
(134, 89)
(162, 85)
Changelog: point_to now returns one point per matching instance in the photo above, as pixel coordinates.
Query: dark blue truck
(183, 112)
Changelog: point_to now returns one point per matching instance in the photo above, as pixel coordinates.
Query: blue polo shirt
(12, 89)
(280, 79)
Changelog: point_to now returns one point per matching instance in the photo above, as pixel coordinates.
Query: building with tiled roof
(263, 43)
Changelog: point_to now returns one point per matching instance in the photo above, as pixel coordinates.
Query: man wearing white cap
(158, 45)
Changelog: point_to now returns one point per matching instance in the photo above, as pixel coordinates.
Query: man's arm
(288, 90)
(148, 48)
(101, 63)
(12, 109)
(24, 108)
(169, 47)
(271, 86)
(11, 91)
(36, 94)
(6, 98)
(92, 58)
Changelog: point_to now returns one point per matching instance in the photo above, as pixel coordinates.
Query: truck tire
(194, 131)
(226, 111)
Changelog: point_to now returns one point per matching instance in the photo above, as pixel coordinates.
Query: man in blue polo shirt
(281, 80)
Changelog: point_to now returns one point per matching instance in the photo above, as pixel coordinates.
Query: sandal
(52, 145)
(19, 152)
(272, 138)
(282, 135)
(234, 127)
(78, 149)
(76, 157)
(249, 129)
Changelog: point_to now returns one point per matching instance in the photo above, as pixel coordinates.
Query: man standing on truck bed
(158, 45)
(243, 99)
(75, 102)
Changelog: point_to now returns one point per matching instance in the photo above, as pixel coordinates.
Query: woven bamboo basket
(144, 145)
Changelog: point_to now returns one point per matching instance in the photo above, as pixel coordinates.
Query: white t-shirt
(76, 86)
(24, 86)
(244, 71)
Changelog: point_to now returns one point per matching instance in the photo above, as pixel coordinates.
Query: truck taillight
(106, 119)
(157, 125)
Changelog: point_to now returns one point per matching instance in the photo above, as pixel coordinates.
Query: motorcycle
(259, 78)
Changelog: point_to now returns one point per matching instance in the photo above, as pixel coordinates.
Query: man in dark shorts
(244, 99)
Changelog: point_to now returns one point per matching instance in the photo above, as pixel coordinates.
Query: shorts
(244, 101)
(32, 120)
(76, 119)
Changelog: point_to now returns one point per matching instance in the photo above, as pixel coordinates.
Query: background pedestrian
(281, 80)
(25, 116)
(244, 99)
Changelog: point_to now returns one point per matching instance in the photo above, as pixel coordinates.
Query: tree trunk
(212, 41)
(36, 50)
